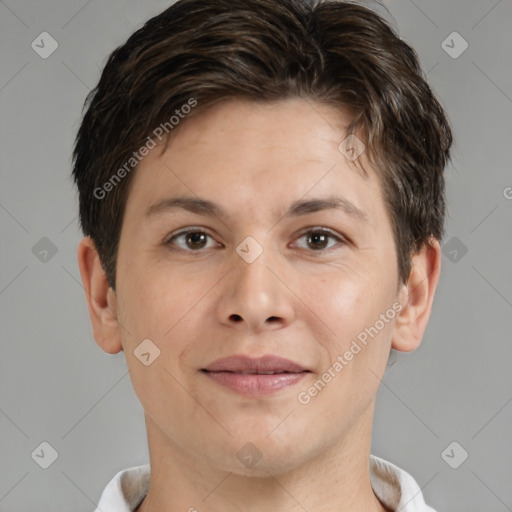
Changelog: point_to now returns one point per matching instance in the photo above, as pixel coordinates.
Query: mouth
(255, 376)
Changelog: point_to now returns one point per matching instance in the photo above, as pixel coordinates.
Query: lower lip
(256, 384)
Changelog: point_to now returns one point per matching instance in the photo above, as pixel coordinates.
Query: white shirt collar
(393, 486)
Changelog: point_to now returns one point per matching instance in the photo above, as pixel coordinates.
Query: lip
(255, 376)
(246, 364)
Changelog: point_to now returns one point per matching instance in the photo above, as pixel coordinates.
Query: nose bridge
(252, 269)
(253, 279)
(256, 296)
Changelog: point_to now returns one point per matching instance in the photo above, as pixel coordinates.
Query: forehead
(293, 125)
(248, 155)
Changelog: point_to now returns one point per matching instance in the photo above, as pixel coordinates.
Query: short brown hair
(335, 52)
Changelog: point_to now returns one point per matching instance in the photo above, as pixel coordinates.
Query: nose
(255, 297)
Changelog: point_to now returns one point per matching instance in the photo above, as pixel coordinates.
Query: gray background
(57, 385)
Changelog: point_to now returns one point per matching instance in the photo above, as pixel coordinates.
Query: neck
(337, 479)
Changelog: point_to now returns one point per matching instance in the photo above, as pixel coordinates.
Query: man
(262, 194)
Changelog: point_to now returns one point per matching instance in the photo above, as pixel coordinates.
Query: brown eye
(318, 239)
(191, 240)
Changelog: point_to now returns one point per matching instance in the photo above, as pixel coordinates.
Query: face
(266, 271)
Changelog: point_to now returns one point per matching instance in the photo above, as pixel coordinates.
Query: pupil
(196, 239)
(315, 239)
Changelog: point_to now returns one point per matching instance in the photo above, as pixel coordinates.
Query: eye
(319, 238)
(192, 240)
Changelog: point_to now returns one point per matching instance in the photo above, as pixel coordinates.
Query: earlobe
(417, 297)
(101, 299)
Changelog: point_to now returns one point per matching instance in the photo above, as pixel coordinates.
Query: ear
(101, 299)
(417, 297)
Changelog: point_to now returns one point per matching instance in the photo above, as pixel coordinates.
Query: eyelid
(188, 229)
(330, 231)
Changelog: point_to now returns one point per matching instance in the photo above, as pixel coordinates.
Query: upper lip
(264, 364)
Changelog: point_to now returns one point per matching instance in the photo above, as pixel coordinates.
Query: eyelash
(321, 231)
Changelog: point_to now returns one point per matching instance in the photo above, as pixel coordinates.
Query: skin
(201, 304)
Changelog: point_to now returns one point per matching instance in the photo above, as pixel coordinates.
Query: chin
(260, 456)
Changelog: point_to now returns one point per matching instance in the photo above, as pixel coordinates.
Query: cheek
(167, 306)
(153, 300)
(355, 348)
(155, 307)
(347, 302)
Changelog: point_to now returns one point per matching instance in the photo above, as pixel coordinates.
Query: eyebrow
(301, 207)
